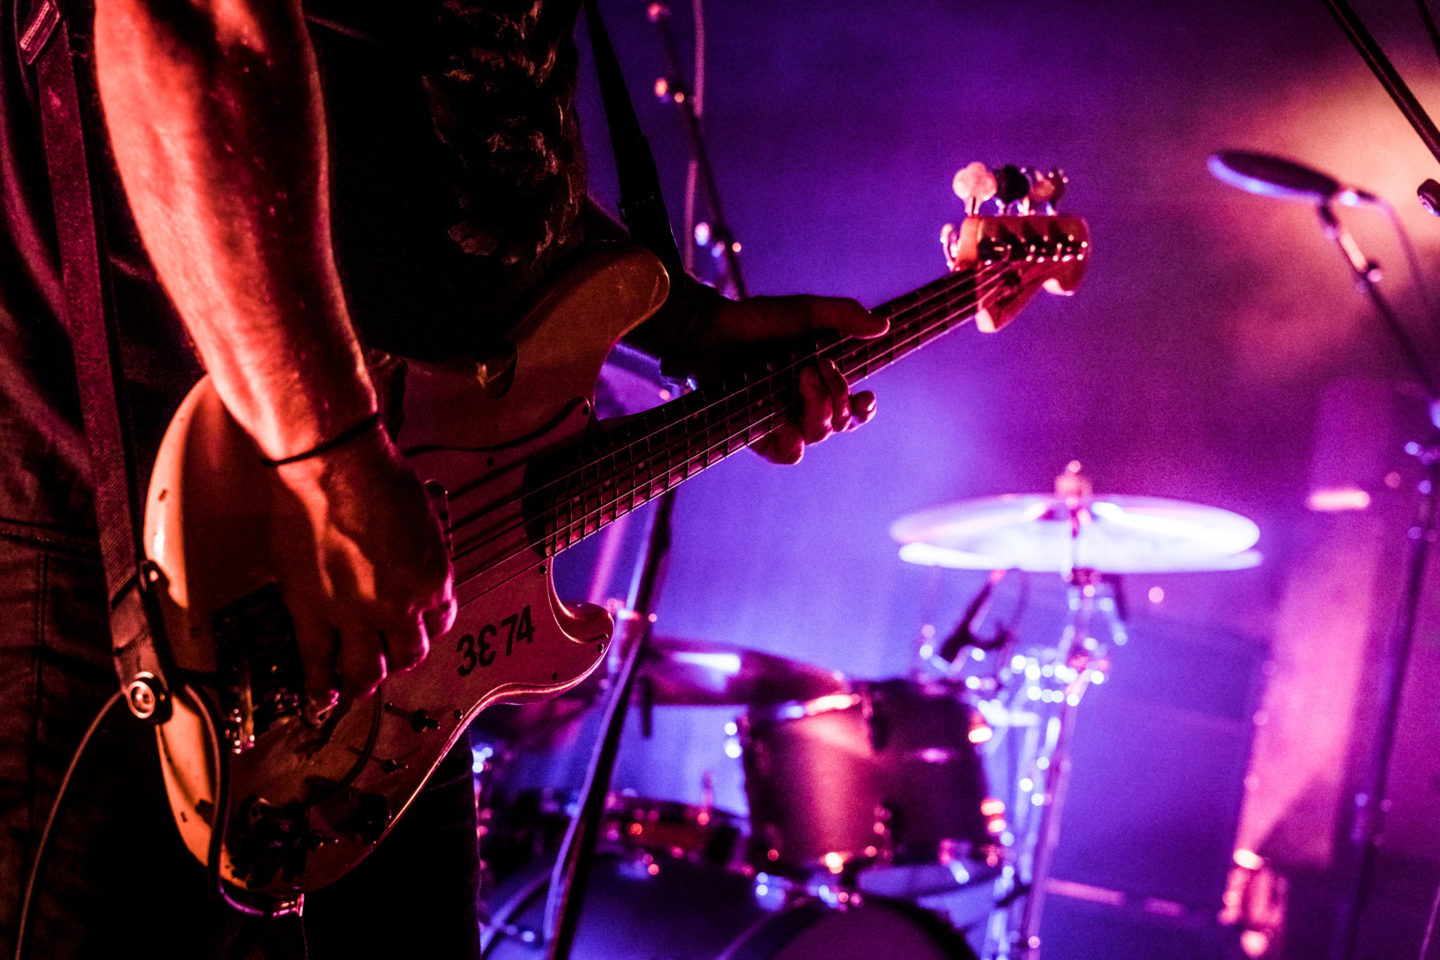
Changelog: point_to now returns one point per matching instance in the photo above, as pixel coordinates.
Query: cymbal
(1112, 534)
(706, 673)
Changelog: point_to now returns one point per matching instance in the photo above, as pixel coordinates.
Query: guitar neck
(602, 479)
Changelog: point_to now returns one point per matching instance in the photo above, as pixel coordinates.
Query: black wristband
(692, 306)
(370, 423)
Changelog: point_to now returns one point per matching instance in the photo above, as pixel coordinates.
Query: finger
(316, 644)
(362, 661)
(405, 645)
(862, 409)
(816, 415)
(784, 444)
(834, 381)
(439, 619)
(845, 316)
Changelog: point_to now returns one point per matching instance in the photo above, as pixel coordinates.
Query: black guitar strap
(642, 205)
(73, 149)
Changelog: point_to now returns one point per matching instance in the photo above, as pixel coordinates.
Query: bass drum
(643, 909)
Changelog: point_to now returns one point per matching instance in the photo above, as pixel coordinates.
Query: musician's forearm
(215, 118)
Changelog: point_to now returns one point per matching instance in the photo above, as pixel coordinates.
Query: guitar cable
(217, 833)
(221, 774)
(56, 811)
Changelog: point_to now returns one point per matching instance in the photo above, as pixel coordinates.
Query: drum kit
(869, 802)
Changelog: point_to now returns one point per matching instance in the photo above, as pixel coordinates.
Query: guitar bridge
(260, 677)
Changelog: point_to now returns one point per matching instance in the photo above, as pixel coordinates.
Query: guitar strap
(73, 149)
(642, 204)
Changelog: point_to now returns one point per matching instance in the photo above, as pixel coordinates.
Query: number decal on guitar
(480, 649)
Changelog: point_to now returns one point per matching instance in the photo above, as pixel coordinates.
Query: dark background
(1216, 352)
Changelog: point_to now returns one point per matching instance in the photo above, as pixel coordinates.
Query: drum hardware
(925, 737)
(533, 824)
(1045, 534)
(675, 671)
(1047, 686)
(677, 831)
(1032, 696)
(690, 911)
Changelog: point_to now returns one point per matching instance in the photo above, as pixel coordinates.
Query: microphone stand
(1369, 797)
(1367, 278)
(577, 852)
(678, 92)
(1385, 72)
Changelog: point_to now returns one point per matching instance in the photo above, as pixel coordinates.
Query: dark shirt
(456, 184)
(458, 180)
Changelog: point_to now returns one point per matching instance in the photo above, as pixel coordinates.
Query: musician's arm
(214, 113)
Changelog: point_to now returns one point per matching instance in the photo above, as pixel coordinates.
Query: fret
(548, 542)
(692, 464)
(609, 469)
(587, 475)
(584, 498)
(571, 495)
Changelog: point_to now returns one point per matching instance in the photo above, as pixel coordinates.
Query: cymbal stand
(1045, 688)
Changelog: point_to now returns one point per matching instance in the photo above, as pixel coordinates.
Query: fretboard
(600, 480)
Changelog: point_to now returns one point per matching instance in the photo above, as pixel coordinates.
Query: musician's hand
(363, 565)
(827, 406)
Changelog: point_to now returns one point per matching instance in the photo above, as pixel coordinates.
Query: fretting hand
(734, 329)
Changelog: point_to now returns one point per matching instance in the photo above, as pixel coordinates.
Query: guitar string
(923, 312)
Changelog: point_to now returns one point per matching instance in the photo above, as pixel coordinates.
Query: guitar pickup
(261, 682)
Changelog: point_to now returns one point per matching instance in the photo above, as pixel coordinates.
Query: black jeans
(119, 882)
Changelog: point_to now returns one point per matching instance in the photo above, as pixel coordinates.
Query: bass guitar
(276, 802)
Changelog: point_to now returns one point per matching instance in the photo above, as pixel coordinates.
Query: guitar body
(304, 799)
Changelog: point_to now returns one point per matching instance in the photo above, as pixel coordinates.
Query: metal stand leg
(1046, 689)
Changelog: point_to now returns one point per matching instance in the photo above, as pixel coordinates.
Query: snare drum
(886, 774)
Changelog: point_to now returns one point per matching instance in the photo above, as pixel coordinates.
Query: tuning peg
(950, 243)
(1012, 186)
(1046, 188)
(974, 184)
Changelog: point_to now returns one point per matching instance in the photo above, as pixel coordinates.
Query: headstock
(1020, 245)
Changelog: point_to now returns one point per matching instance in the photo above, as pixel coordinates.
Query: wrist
(694, 311)
(363, 429)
